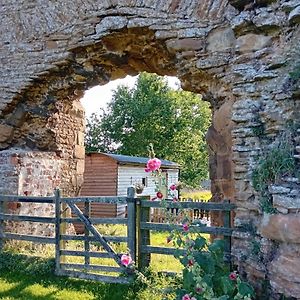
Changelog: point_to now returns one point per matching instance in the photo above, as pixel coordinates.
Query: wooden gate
(107, 264)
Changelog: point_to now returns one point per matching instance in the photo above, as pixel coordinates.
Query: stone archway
(237, 54)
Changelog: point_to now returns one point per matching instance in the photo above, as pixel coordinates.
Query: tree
(175, 122)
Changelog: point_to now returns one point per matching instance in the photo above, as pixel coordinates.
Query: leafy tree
(175, 122)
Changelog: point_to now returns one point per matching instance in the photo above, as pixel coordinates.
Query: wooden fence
(138, 222)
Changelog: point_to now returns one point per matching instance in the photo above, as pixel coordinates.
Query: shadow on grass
(31, 278)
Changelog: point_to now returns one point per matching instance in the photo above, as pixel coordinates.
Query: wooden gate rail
(138, 224)
(145, 226)
(4, 200)
(91, 234)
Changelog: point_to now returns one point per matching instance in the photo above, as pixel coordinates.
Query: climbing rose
(191, 262)
(232, 276)
(159, 195)
(185, 227)
(153, 164)
(126, 260)
(173, 187)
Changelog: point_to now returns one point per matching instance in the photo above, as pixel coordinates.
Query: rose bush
(205, 275)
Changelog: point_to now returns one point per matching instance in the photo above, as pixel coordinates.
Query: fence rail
(139, 222)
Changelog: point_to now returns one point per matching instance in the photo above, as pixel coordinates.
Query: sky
(98, 96)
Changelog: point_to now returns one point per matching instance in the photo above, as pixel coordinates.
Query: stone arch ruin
(238, 54)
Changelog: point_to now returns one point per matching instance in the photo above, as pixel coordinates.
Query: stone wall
(240, 55)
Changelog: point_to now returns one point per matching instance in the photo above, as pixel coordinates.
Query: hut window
(145, 181)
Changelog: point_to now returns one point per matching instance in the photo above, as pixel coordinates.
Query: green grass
(27, 273)
(25, 277)
(195, 195)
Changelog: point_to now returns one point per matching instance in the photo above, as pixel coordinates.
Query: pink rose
(186, 297)
(198, 290)
(153, 164)
(185, 227)
(233, 276)
(173, 187)
(190, 262)
(159, 195)
(126, 260)
(147, 170)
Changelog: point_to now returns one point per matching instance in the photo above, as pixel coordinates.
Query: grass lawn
(27, 273)
(31, 278)
(30, 275)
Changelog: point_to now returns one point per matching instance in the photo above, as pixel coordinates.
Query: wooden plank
(161, 250)
(87, 212)
(101, 199)
(82, 253)
(22, 218)
(96, 234)
(144, 237)
(193, 228)
(112, 239)
(29, 238)
(57, 231)
(98, 220)
(227, 239)
(131, 226)
(211, 206)
(96, 277)
(1, 224)
(91, 267)
(15, 198)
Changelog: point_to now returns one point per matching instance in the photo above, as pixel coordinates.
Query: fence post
(57, 231)
(1, 225)
(227, 239)
(131, 222)
(143, 215)
(87, 213)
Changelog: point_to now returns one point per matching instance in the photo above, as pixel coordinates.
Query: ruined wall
(239, 54)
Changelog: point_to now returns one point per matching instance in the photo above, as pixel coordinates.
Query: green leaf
(200, 242)
(245, 289)
(205, 261)
(188, 280)
(227, 285)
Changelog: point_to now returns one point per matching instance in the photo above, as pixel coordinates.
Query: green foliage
(278, 162)
(175, 122)
(205, 275)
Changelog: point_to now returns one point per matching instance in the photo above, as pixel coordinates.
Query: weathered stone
(220, 39)
(284, 228)
(79, 152)
(6, 132)
(111, 23)
(294, 16)
(277, 189)
(51, 58)
(185, 44)
(285, 271)
(252, 42)
(286, 201)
